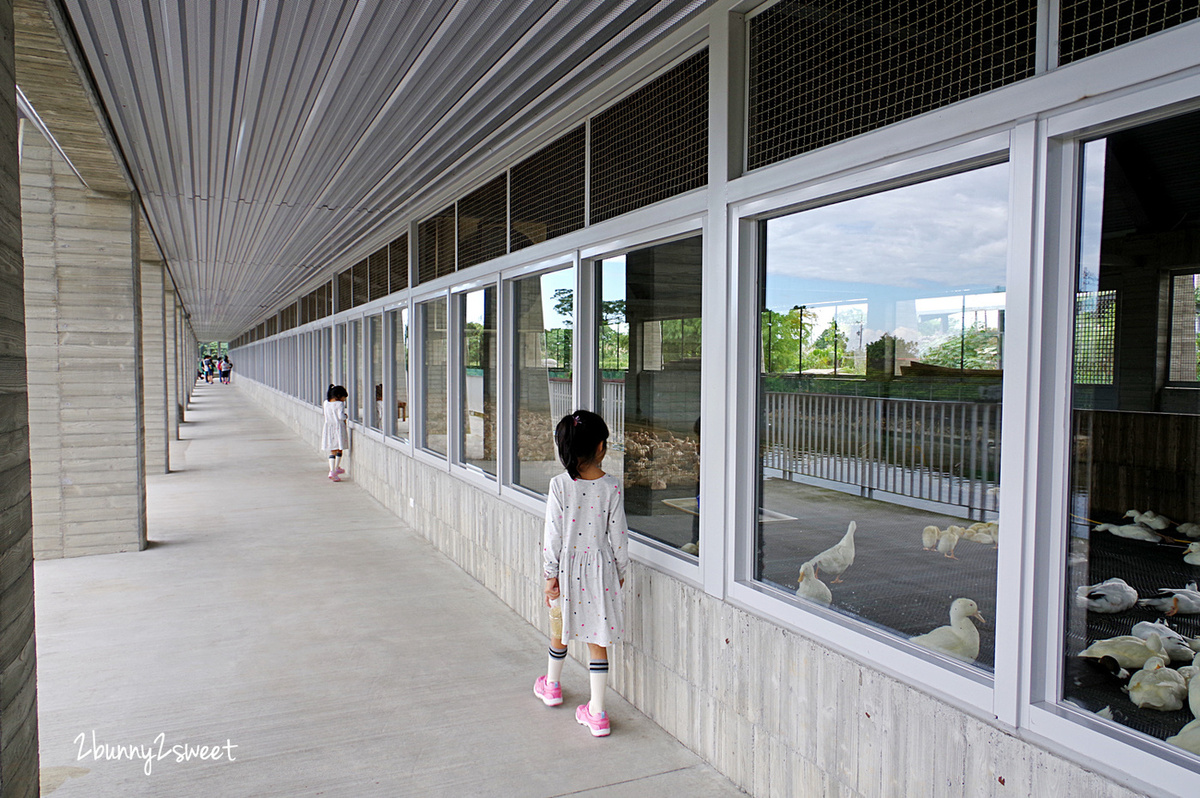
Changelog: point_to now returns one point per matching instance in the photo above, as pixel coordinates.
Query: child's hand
(551, 590)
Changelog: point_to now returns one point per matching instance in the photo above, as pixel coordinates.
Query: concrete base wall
(778, 713)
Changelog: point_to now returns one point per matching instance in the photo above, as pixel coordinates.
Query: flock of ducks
(834, 561)
(946, 540)
(1141, 660)
(960, 639)
(1152, 528)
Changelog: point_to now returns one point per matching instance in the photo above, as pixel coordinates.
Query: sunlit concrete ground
(337, 650)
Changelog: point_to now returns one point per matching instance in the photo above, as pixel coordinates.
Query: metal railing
(940, 451)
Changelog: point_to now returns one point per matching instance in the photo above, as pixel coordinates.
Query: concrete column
(18, 692)
(154, 366)
(85, 360)
(171, 347)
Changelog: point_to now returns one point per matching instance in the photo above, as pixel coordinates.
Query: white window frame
(418, 409)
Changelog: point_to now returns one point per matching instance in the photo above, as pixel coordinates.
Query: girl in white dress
(584, 560)
(334, 435)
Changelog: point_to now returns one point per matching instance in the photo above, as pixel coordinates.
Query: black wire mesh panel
(398, 263)
(345, 289)
(1087, 27)
(435, 246)
(821, 72)
(377, 274)
(653, 144)
(359, 277)
(324, 299)
(483, 223)
(273, 325)
(548, 190)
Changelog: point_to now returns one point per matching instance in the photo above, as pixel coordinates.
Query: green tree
(977, 347)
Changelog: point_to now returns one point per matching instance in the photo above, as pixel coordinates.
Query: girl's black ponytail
(578, 435)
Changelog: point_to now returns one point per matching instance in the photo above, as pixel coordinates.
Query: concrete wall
(778, 713)
(154, 366)
(18, 686)
(85, 372)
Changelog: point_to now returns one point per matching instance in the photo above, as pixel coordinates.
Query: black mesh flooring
(1146, 567)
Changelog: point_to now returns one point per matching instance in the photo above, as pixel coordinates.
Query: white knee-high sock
(599, 679)
(554, 665)
(331, 464)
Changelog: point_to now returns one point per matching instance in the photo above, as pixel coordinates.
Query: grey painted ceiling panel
(274, 141)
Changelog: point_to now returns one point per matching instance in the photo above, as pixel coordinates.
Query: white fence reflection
(940, 451)
(612, 407)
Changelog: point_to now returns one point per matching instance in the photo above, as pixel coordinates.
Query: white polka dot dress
(586, 546)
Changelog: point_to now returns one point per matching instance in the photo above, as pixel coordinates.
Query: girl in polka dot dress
(584, 558)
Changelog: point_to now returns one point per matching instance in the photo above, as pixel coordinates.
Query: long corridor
(316, 645)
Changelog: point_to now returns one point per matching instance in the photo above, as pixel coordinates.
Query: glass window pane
(375, 325)
(433, 374)
(649, 342)
(400, 370)
(882, 342)
(344, 354)
(479, 379)
(545, 308)
(1134, 501)
(357, 375)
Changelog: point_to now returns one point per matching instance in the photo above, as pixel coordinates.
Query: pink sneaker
(597, 724)
(339, 470)
(335, 477)
(549, 692)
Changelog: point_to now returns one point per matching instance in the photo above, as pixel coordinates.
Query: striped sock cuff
(598, 666)
(556, 654)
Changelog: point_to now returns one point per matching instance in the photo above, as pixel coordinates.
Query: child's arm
(618, 533)
(552, 541)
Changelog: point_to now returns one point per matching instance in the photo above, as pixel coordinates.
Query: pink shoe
(339, 470)
(549, 692)
(335, 477)
(597, 724)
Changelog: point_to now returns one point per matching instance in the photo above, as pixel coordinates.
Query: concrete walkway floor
(299, 621)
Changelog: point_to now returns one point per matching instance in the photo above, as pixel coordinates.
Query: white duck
(1193, 683)
(960, 639)
(1109, 596)
(812, 588)
(1131, 531)
(1149, 518)
(1178, 601)
(1156, 686)
(1127, 650)
(1188, 738)
(1191, 554)
(1175, 644)
(837, 558)
(1190, 529)
(929, 537)
(948, 540)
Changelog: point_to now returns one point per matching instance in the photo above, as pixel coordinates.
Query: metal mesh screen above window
(483, 223)
(821, 72)
(1185, 328)
(548, 190)
(1095, 337)
(653, 144)
(377, 274)
(1087, 27)
(359, 277)
(324, 295)
(345, 290)
(273, 325)
(435, 246)
(398, 263)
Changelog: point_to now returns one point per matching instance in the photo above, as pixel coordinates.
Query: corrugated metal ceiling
(269, 138)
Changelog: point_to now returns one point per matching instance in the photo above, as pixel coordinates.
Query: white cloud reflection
(952, 231)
